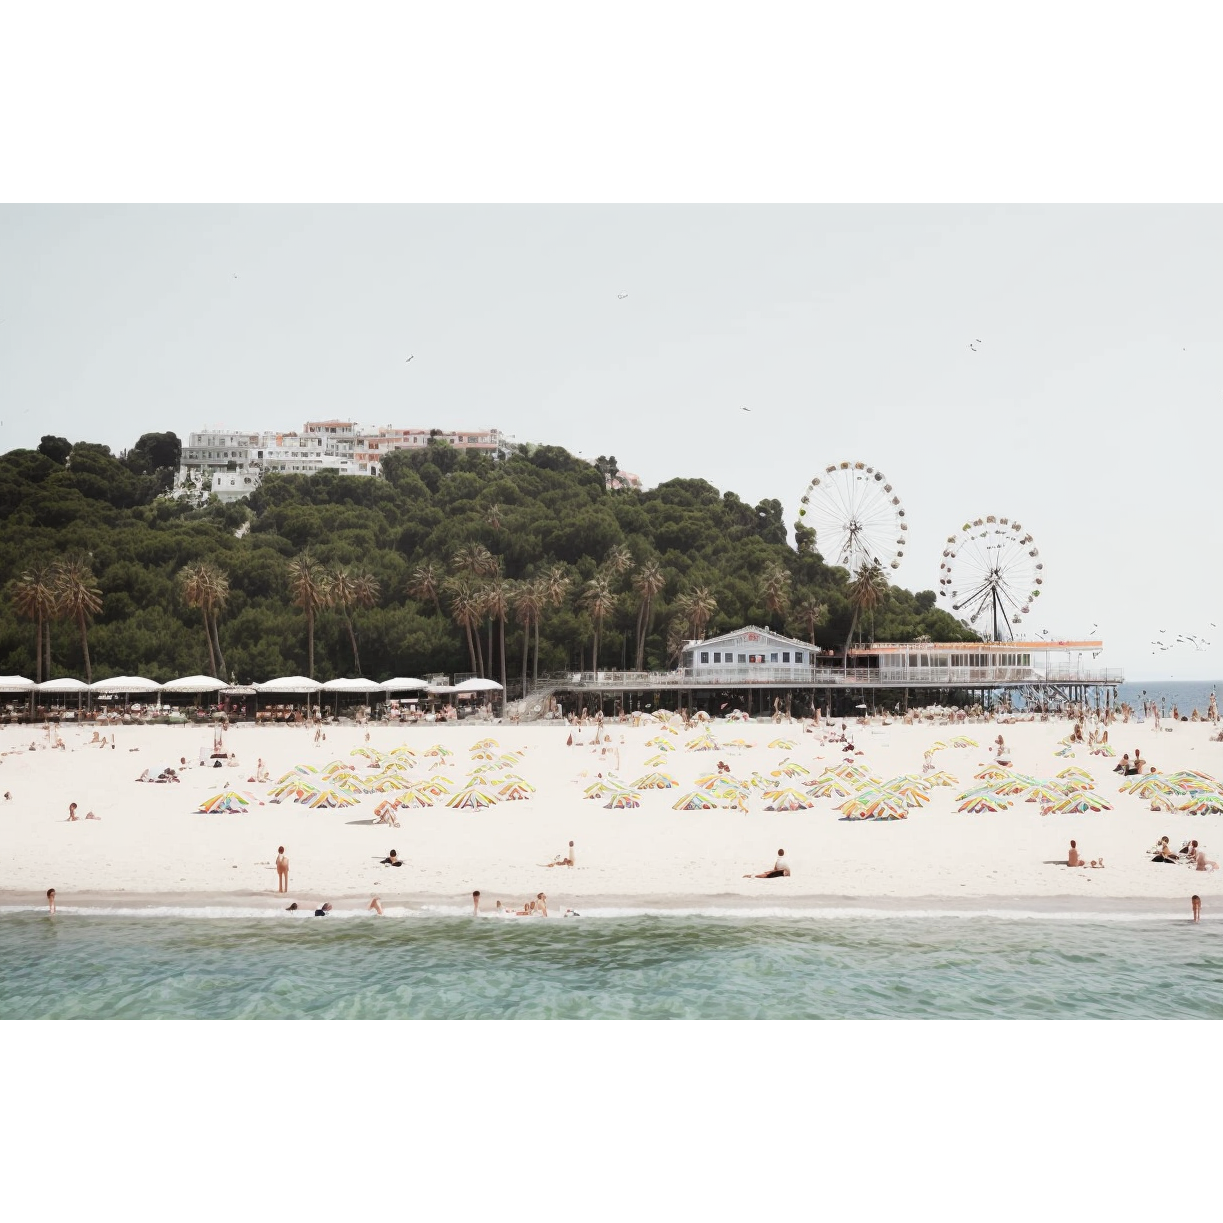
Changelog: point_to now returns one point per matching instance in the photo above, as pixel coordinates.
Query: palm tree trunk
(310, 642)
(216, 637)
(479, 653)
(853, 624)
(640, 634)
(490, 647)
(594, 656)
(352, 637)
(212, 655)
(38, 652)
(47, 629)
(501, 631)
(536, 682)
(80, 623)
(526, 650)
(471, 649)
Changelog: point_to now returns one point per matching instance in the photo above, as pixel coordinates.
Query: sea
(1186, 695)
(815, 964)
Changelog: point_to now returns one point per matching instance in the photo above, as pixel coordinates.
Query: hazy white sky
(1090, 410)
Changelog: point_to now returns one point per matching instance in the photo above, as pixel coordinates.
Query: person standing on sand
(475, 904)
(51, 901)
(1196, 901)
(282, 870)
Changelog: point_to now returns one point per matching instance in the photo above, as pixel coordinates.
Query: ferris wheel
(991, 571)
(857, 517)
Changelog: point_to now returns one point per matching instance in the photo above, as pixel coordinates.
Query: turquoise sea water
(93, 966)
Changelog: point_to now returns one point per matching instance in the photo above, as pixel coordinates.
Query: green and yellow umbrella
(515, 792)
(787, 800)
(654, 781)
(656, 760)
(623, 799)
(329, 798)
(980, 803)
(598, 789)
(471, 798)
(1203, 804)
(887, 808)
(964, 741)
(790, 768)
(783, 745)
(702, 743)
(1081, 802)
(229, 801)
(825, 786)
(696, 801)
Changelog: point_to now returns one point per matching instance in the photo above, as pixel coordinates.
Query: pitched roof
(767, 635)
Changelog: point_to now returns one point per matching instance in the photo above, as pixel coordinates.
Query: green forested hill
(448, 551)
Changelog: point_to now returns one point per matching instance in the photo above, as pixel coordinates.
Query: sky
(1089, 408)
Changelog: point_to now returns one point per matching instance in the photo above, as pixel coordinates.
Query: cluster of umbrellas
(229, 802)
(1190, 790)
(1070, 791)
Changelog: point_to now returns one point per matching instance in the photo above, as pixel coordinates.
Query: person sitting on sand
(1200, 862)
(779, 869)
(1073, 859)
(1123, 765)
(1164, 852)
(563, 861)
(392, 859)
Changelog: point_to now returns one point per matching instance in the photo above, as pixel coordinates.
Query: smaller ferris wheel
(990, 573)
(856, 515)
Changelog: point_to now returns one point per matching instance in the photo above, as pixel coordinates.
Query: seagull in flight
(745, 409)
(621, 296)
(411, 358)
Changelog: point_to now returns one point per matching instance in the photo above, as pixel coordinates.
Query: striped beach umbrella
(515, 792)
(1045, 792)
(740, 743)
(438, 750)
(654, 781)
(702, 743)
(964, 741)
(656, 760)
(436, 787)
(787, 800)
(481, 744)
(782, 745)
(829, 787)
(942, 778)
(791, 768)
(329, 798)
(417, 798)
(229, 801)
(471, 798)
(992, 773)
(483, 756)
(1203, 804)
(858, 807)
(708, 781)
(598, 789)
(1081, 802)
(908, 794)
(1152, 785)
(887, 808)
(980, 803)
(623, 799)
(696, 801)
(661, 742)
(1074, 770)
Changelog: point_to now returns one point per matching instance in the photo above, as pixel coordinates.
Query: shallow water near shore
(90, 966)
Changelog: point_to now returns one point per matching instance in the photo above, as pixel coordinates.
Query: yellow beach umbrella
(471, 798)
(696, 801)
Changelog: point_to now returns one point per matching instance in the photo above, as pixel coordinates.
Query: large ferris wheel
(856, 515)
(991, 571)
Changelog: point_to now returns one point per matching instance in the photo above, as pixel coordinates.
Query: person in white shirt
(780, 868)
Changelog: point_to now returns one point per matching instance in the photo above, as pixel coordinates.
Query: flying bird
(411, 358)
(621, 296)
(970, 346)
(745, 409)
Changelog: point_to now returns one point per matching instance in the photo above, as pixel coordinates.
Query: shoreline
(723, 904)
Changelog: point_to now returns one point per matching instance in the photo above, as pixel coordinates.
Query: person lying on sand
(1200, 863)
(392, 859)
(779, 869)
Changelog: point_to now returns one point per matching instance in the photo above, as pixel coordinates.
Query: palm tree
(216, 596)
(494, 516)
(701, 606)
(599, 600)
(465, 610)
(425, 582)
(342, 588)
(776, 584)
(78, 598)
(475, 560)
(866, 592)
(34, 599)
(648, 581)
(308, 584)
(193, 580)
(619, 560)
(498, 595)
(810, 612)
(528, 600)
(555, 585)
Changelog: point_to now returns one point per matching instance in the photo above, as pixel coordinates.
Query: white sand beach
(152, 846)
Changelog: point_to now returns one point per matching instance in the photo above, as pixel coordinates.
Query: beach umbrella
(438, 787)
(288, 684)
(230, 800)
(471, 798)
(936, 746)
(403, 683)
(829, 787)
(941, 778)
(1192, 779)
(858, 807)
(1045, 792)
(328, 798)
(1203, 804)
(783, 745)
(598, 789)
(707, 781)
(1015, 785)
(787, 800)
(887, 809)
(1150, 785)
(514, 792)
(740, 743)
(908, 792)
(663, 744)
(402, 750)
(481, 744)
(482, 756)
(194, 683)
(1081, 802)
(703, 743)
(623, 799)
(126, 684)
(696, 801)
(513, 777)
(655, 761)
(964, 741)
(654, 781)
(1074, 770)
(438, 750)
(791, 768)
(298, 791)
(416, 798)
(992, 773)
(1064, 751)
(979, 803)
